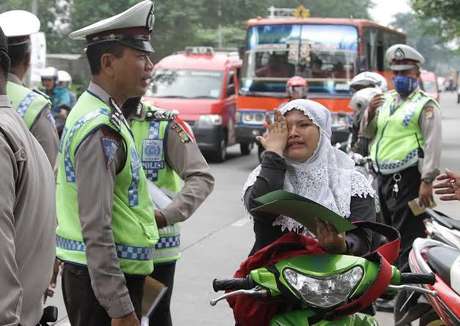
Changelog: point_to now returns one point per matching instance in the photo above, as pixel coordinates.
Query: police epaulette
(159, 114)
(115, 120)
(39, 92)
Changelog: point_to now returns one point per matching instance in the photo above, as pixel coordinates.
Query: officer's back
(27, 216)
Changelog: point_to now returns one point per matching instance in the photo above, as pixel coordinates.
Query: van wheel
(246, 148)
(220, 153)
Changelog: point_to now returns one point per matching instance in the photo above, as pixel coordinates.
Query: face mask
(405, 85)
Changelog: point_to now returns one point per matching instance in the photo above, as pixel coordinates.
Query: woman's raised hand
(275, 138)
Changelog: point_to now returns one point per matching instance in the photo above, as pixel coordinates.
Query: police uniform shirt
(27, 221)
(43, 128)
(185, 158)
(431, 127)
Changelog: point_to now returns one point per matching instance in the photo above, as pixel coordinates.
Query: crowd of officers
(110, 236)
(95, 212)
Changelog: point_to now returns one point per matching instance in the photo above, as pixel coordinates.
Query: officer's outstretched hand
(128, 320)
(448, 186)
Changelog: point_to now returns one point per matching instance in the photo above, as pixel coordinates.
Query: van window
(174, 83)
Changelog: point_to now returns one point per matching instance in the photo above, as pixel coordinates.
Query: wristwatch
(428, 179)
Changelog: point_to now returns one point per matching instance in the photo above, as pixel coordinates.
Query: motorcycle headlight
(324, 292)
(209, 120)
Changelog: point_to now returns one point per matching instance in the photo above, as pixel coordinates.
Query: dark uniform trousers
(83, 309)
(396, 212)
(162, 313)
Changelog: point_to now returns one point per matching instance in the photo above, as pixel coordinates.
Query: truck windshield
(325, 55)
(186, 83)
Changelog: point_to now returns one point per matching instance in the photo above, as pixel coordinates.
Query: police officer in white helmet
(32, 105)
(364, 87)
(405, 125)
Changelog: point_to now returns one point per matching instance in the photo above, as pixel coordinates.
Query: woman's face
(303, 136)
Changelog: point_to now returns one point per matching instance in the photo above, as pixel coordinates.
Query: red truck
(200, 84)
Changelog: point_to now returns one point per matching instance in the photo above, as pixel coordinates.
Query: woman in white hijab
(299, 158)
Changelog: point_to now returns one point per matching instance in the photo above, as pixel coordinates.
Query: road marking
(241, 222)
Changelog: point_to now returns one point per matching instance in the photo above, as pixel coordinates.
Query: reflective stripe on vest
(69, 168)
(25, 103)
(123, 251)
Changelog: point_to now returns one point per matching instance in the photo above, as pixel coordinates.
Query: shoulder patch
(183, 130)
(50, 118)
(428, 112)
(110, 147)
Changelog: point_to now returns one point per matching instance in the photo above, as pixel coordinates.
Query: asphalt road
(219, 235)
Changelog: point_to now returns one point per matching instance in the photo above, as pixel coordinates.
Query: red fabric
(249, 311)
(185, 127)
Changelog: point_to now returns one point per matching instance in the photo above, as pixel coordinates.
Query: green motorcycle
(324, 289)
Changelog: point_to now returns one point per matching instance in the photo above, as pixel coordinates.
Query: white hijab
(328, 177)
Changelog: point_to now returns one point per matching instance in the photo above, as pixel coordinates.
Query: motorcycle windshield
(326, 55)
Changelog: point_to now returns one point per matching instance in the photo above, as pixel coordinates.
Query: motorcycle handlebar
(416, 278)
(232, 284)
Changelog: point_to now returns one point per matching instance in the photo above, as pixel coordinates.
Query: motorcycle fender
(300, 318)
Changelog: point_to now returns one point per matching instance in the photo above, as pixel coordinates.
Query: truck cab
(200, 84)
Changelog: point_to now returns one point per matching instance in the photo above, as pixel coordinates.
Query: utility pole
(34, 7)
(219, 27)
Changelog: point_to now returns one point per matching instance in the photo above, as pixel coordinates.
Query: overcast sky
(384, 10)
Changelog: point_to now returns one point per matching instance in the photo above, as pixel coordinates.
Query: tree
(446, 13)
(422, 34)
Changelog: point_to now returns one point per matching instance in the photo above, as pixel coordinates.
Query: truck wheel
(220, 153)
(246, 148)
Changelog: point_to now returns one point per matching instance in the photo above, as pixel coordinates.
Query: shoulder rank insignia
(159, 114)
(183, 130)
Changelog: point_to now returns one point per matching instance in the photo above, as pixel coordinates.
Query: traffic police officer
(405, 125)
(32, 105)
(364, 87)
(27, 214)
(169, 156)
(106, 225)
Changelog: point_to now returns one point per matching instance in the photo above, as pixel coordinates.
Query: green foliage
(446, 13)
(422, 34)
(178, 23)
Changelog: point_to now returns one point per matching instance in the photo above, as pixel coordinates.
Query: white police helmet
(131, 28)
(369, 79)
(64, 77)
(362, 98)
(18, 25)
(49, 73)
(404, 57)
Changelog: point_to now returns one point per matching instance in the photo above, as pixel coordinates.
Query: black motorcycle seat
(441, 259)
(446, 221)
